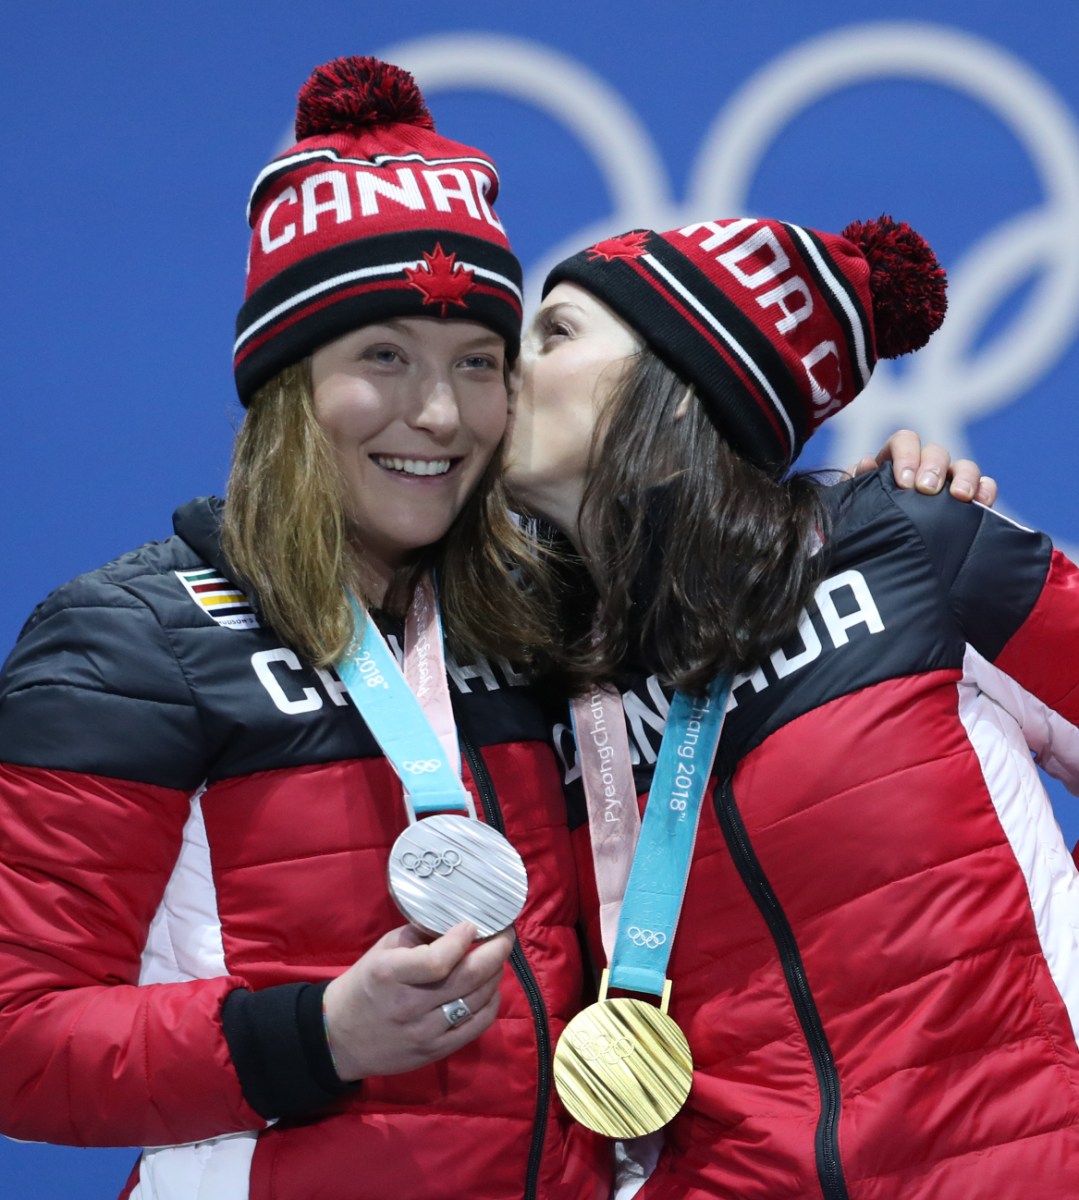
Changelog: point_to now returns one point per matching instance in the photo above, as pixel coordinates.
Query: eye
(482, 362)
(387, 356)
(552, 328)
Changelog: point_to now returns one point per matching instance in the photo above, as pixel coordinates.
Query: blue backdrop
(132, 133)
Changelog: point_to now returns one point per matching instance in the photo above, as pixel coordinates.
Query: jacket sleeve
(100, 752)
(1043, 656)
(1016, 599)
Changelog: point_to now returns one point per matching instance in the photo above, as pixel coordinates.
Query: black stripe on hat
(743, 330)
(316, 272)
(326, 295)
(827, 287)
(640, 294)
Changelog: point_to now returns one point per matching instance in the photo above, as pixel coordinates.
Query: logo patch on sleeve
(219, 598)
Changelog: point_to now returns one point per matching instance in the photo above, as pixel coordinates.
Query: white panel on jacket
(184, 940)
(999, 716)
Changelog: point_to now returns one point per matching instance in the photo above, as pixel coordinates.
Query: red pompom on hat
(907, 284)
(356, 93)
(371, 215)
(778, 327)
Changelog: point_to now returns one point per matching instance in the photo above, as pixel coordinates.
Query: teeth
(414, 466)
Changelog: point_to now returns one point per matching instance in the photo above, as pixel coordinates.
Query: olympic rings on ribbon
(421, 766)
(648, 938)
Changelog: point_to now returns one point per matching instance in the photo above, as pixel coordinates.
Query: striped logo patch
(215, 595)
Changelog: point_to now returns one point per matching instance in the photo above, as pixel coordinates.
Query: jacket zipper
(493, 815)
(829, 1167)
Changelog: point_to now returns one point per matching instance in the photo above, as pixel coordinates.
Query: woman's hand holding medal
(415, 996)
(398, 1006)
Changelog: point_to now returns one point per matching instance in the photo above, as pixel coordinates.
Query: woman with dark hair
(846, 962)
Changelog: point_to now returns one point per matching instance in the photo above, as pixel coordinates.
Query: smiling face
(414, 408)
(575, 352)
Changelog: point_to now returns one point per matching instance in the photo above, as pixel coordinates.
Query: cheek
(542, 392)
(490, 419)
(558, 400)
(569, 394)
(348, 412)
(330, 414)
(580, 413)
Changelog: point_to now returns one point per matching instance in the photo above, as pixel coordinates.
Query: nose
(437, 411)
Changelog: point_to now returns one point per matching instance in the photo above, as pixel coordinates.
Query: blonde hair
(286, 535)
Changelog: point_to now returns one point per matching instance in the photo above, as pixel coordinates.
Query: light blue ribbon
(383, 698)
(657, 879)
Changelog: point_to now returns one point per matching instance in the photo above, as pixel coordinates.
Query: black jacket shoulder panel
(992, 568)
(94, 682)
(157, 668)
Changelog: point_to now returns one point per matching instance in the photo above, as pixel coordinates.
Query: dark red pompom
(357, 93)
(906, 282)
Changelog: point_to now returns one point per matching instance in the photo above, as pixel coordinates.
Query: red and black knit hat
(371, 215)
(776, 326)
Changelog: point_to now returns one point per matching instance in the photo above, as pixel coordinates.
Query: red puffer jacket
(877, 964)
(195, 832)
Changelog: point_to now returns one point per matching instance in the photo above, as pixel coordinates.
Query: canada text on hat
(371, 215)
(778, 327)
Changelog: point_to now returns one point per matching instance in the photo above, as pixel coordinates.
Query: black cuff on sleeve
(278, 1047)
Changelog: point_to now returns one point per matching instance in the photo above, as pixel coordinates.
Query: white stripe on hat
(363, 273)
(728, 337)
(857, 328)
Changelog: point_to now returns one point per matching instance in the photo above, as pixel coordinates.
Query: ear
(683, 405)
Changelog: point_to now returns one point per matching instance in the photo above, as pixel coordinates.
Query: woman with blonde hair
(200, 950)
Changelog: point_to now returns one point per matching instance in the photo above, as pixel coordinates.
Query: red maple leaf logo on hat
(626, 245)
(441, 280)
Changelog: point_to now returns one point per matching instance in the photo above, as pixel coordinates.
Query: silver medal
(448, 868)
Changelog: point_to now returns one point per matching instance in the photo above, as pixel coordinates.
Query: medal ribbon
(425, 667)
(660, 865)
(414, 729)
(614, 820)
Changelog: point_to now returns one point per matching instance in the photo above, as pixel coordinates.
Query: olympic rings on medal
(601, 1048)
(431, 863)
(421, 766)
(648, 938)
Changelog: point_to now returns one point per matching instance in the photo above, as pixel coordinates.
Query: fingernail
(961, 488)
(906, 477)
(929, 479)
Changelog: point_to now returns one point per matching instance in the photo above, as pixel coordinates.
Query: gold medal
(623, 1067)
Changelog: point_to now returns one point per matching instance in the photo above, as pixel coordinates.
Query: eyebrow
(545, 310)
(482, 345)
(485, 337)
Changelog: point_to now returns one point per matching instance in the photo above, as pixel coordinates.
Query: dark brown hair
(703, 562)
(286, 535)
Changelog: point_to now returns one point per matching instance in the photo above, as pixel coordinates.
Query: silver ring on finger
(456, 1013)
